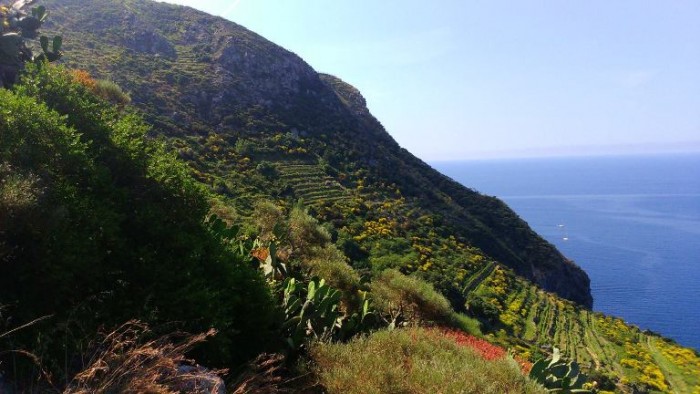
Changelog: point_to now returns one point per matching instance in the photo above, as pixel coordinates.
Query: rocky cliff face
(196, 76)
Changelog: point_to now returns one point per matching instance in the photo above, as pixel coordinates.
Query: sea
(631, 222)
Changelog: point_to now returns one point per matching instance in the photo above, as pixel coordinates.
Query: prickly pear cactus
(17, 28)
(310, 312)
(559, 376)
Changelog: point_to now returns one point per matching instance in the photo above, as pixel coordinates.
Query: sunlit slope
(604, 345)
(234, 103)
(254, 121)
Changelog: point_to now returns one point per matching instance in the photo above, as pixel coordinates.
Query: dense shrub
(267, 169)
(111, 92)
(402, 298)
(300, 238)
(331, 264)
(118, 232)
(267, 219)
(305, 233)
(414, 361)
(105, 89)
(19, 193)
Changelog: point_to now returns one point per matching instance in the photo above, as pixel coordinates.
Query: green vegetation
(405, 300)
(414, 361)
(101, 225)
(612, 353)
(312, 184)
(312, 313)
(268, 126)
(273, 207)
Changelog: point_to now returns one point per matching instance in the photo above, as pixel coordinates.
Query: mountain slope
(255, 122)
(221, 93)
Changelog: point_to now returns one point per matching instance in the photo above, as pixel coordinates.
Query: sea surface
(631, 222)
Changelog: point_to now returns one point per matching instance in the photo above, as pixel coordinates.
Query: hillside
(222, 94)
(253, 122)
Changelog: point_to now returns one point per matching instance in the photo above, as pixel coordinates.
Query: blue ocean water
(632, 222)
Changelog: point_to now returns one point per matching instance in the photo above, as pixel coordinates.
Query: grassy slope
(414, 361)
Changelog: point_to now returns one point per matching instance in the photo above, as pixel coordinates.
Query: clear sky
(461, 79)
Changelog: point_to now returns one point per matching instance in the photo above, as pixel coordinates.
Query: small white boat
(565, 232)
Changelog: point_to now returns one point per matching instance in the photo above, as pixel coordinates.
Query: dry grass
(43, 378)
(271, 374)
(264, 376)
(125, 362)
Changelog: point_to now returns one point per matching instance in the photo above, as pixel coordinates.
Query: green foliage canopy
(117, 230)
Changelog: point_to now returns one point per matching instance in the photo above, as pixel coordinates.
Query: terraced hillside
(311, 184)
(519, 315)
(531, 319)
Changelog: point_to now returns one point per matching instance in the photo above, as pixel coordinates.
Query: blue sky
(478, 79)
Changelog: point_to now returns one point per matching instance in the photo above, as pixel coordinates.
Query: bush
(331, 264)
(413, 361)
(102, 88)
(245, 147)
(466, 324)
(305, 233)
(111, 92)
(267, 169)
(84, 78)
(19, 192)
(267, 218)
(400, 298)
(482, 308)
